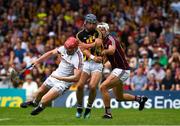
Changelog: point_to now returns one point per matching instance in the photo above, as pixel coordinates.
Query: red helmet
(71, 43)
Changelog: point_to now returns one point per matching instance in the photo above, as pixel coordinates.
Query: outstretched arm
(45, 56)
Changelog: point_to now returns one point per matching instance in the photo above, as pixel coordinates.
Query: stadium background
(150, 31)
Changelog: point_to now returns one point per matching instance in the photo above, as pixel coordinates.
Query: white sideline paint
(5, 119)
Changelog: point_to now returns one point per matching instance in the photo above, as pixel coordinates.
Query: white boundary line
(5, 119)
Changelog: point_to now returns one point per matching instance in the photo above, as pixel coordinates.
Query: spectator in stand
(175, 5)
(158, 72)
(175, 43)
(37, 76)
(142, 35)
(168, 82)
(168, 34)
(174, 60)
(146, 45)
(132, 45)
(156, 27)
(132, 58)
(125, 34)
(5, 81)
(139, 80)
(145, 60)
(163, 60)
(152, 84)
(39, 44)
(28, 58)
(162, 44)
(177, 28)
(30, 86)
(19, 52)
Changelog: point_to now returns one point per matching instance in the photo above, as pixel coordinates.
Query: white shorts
(123, 75)
(60, 86)
(91, 66)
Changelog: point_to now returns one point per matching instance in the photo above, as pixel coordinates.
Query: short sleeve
(111, 41)
(60, 49)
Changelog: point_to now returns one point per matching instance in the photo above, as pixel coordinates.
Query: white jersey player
(62, 78)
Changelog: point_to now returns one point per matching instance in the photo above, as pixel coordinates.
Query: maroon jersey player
(120, 72)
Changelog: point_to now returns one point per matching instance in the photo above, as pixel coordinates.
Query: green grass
(65, 116)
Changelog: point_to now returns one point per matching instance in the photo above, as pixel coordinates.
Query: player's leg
(52, 94)
(115, 81)
(38, 95)
(120, 96)
(109, 83)
(59, 87)
(106, 70)
(80, 93)
(95, 79)
(123, 75)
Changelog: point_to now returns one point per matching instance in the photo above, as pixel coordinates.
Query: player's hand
(81, 45)
(98, 42)
(98, 59)
(103, 53)
(34, 63)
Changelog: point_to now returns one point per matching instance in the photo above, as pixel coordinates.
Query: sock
(138, 98)
(35, 102)
(79, 108)
(89, 105)
(88, 109)
(41, 105)
(108, 110)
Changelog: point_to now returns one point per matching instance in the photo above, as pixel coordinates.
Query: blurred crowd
(148, 29)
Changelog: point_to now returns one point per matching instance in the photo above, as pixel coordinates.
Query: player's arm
(110, 51)
(97, 59)
(45, 56)
(86, 46)
(83, 46)
(73, 78)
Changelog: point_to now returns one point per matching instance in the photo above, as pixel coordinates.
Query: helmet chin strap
(107, 34)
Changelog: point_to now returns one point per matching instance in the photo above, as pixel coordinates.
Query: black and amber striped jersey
(89, 37)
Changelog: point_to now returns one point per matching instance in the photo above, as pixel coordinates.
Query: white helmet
(103, 25)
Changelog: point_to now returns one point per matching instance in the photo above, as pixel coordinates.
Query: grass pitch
(66, 116)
